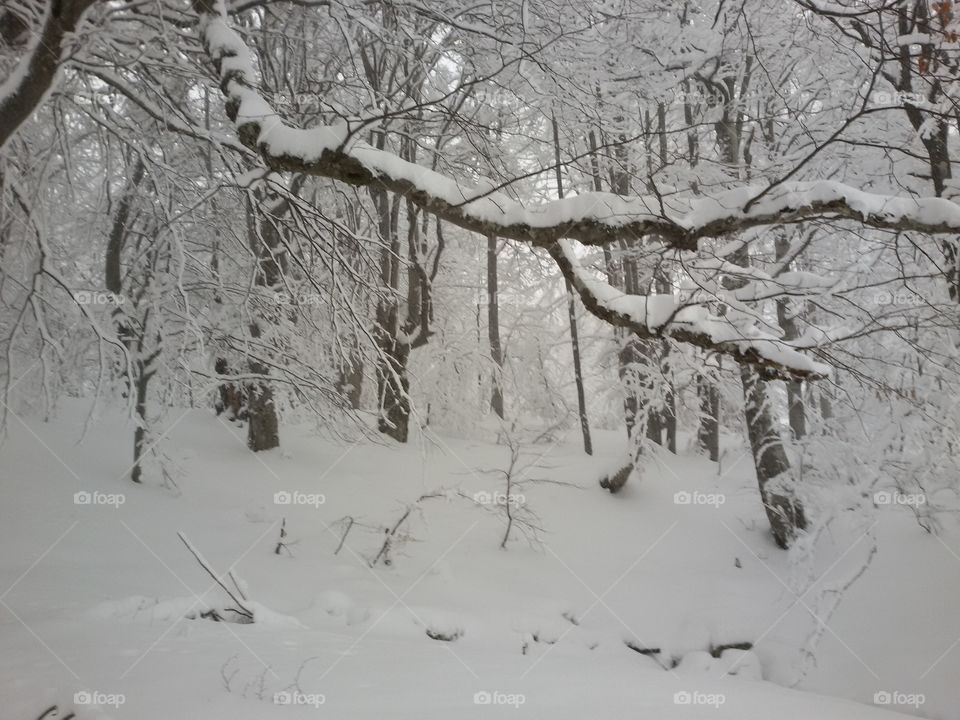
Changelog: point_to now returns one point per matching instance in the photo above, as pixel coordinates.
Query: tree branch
(594, 218)
(33, 78)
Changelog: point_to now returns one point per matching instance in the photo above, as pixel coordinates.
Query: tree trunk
(350, 383)
(622, 273)
(669, 415)
(708, 394)
(572, 313)
(138, 372)
(139, 435)
(578, 371)
(784, 511)
(230, 396)
(787, 319)
(263, 426)
(708, 432)
(38, 69)
(493, 327)
(393, 386)
(391, 370)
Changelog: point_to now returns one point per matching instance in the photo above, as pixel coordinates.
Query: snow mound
(153, 611)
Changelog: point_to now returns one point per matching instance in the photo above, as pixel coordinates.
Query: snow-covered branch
(26, 87)
(658, 315)
(593, 218)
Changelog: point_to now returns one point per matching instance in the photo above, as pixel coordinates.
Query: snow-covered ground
(100, 601)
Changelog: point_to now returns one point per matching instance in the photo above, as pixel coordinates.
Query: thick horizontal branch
(654, 316)
(591, 218)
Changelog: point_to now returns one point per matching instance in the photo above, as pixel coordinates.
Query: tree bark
(787, 319)
(391, 371)
(708, 432)
(572, 314)
(350, 383)
(783, 509)
(38, 69)
(138, 373)
(493, 327)
(263, 425)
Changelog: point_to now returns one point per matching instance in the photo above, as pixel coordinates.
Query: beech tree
(753, 209)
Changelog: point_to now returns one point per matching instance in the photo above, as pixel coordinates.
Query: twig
(343, 538)
(242, 609)
(281, 545)
(236, 584)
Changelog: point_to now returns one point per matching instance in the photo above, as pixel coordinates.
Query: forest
(461, 358)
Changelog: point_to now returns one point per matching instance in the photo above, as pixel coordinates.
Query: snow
(597, 216)
(692, 214)
(97, 597)
(672, 313)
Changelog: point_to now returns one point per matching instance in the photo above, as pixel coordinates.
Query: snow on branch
(591, 218)
(652, 316)
(35, 75)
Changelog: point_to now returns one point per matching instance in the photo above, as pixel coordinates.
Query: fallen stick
(241, 608)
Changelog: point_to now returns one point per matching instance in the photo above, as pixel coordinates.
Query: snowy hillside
(103, 605)
(444, 359)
